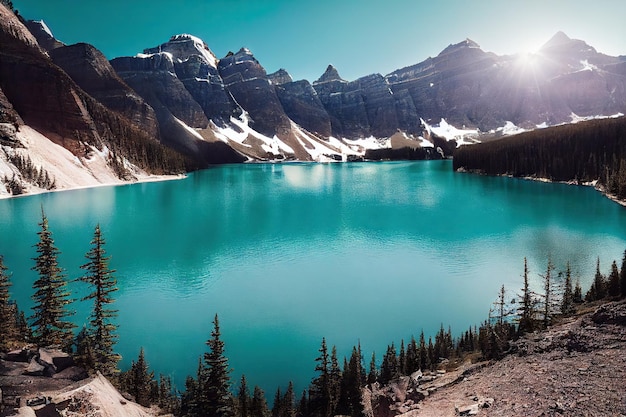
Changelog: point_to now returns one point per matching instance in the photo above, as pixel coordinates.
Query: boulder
(18, 355)
(35, 368)
(467, 410)
(54, 360)
(74, 373)
(399, 396)
(610, 314)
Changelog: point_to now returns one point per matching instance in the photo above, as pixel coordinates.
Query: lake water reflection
(286, 254)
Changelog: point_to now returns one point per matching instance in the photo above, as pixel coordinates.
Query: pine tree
(354, 379)
(389, 365)
(7, 315)
(424, 357)
(303, 405)
(167, 399)
(217, 384)
(320, 393)
(402, 359)
(138, 380)
(258, 404)
(613, 288)
(277, 408)
(412, 357)
(51, 298)
(548, 295)
(578, 292)
(432, 358)
(103, 283)
(622, 277)
(597, 291)
(372, 376)
(189, 398)
(526, 311)
(288, 402)
(24, 332)
(335, 379)
(567, 304)
(85, 356)
(243, 398)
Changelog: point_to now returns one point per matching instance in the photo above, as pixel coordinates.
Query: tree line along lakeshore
(336, 387)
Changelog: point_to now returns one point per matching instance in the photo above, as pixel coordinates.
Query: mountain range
(176, 106)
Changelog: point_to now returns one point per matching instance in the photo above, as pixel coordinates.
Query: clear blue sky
(359, 37)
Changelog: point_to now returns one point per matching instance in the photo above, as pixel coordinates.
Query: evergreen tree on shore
(567, 304)
(597, 291)
(578, 293)
(216, 384)
(50, 326)
(138, 380)
(622, 277)
(258, 404)
(526, 311)
(7, 315)
(320, 392)
(243, 398)
(288, 402)
(613, 288)
(389, 366)
(102, 331)
(548, 295)
(372, 375)
(278, 403)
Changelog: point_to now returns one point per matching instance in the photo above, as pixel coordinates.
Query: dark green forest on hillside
(582, 152)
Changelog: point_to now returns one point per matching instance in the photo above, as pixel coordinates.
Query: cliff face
(248, 83)
(302, 104)
(93, 73)
(195, 66)
(36, 93)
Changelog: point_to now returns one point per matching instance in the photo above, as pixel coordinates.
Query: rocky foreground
(575, 368)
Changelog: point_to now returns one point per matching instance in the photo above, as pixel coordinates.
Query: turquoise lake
(289, 253)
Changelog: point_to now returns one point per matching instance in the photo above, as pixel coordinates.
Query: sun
(528, 59)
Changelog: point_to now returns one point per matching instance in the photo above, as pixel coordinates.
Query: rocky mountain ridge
(226, 110)
(54, 134)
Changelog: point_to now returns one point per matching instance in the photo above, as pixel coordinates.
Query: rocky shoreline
(574, 368)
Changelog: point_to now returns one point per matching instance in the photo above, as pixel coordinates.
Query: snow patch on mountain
(510, 128)
(587, 66)
(449, 132)
(67, 170)
(189, 129)
(200, 45)
(167, 55)
(370, 142)
(317, 150)
(344, 147)
(240, 130)
(44, 27)
(424, 143)
(576, 118)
